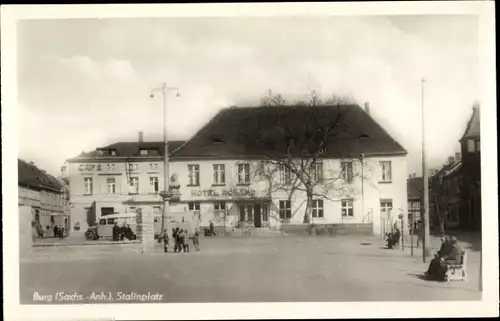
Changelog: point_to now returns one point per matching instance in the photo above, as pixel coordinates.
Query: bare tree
(296, 143)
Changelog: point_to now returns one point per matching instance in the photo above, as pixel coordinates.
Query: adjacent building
(45, 197)
(455, 189)
(224, 176)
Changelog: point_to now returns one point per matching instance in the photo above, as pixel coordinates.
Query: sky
(85, 83)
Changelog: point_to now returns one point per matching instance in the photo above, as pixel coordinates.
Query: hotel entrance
(254, 214)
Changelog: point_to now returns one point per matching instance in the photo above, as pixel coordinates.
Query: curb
(84, 244)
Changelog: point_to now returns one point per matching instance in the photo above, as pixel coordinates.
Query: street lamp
(165, 194)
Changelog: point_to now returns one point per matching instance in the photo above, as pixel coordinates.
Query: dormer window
(112, 152)
(143, 152)
(100, 153)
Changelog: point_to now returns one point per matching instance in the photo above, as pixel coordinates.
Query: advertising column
(145, 230)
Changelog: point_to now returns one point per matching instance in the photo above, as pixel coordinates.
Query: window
(134, 185)
(243, 173)
(102, 221)
(471, 145)
(132, 210)
(347, 172)
(153, 166)
(113, 152)
(265, 216)
(143, 152)
(386, 207)
(132, 167)
(194, 175)
(100, 153)
(317, 208)
(111, 185)
(107, 211)
(110, 167)
(317, 174)
(347, 208)
(285, 175)
(219, 174)
(153, 181)
(385, 171)
(285, 210)
(88, 185)
(219, 209)
(157, 210)
(110, 221)
(194, 206)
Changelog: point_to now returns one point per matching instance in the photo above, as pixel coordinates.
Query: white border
(10, 126)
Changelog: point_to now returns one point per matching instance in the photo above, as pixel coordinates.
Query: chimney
(457, 157)
(141, 137)
(367, 107)
(451, 159)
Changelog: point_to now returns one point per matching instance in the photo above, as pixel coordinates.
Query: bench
(457, 272)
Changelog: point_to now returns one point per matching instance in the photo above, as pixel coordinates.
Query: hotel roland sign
(228, 192)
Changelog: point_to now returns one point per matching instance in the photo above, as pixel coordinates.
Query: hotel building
(223, 180)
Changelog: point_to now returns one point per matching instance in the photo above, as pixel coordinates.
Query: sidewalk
(76, 240)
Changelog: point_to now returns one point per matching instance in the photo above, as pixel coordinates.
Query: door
(242, 209)
(257, 215)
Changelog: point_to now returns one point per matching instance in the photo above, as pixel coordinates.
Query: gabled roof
(221, 137)
(32, 177)
(473, 125)
(131, 149)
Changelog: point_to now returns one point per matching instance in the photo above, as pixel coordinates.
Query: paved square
(269, 269)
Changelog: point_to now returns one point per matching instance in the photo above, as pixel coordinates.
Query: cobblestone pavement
(277, 269)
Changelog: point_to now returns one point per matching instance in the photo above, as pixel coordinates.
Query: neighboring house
(117, 178)
(414, 186)
(44, 194)
(455, 189)
(218, 180)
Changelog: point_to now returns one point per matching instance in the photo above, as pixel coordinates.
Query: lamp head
(151, 95)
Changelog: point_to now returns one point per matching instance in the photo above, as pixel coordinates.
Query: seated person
(450, 253)
(393, 238)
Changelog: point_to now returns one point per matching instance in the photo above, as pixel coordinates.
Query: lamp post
(166, 193)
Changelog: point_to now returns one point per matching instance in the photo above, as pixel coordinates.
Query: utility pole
(166, 194)
(426, 244)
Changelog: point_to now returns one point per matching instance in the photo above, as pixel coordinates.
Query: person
(454, 255)
(56, 232)
(60, 230)
(419, 230)
(165, 241)
(211, 228)
(116, 232)
(196, 239)
(181, 239)
(393, 238)
(129, 233)
(185, 244)
(437, 266)
(177, 246)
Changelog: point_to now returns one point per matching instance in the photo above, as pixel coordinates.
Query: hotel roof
(225, 135)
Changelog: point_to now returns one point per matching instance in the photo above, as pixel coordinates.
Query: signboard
(231, 192)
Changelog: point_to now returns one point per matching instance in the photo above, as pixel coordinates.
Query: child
(165, 241)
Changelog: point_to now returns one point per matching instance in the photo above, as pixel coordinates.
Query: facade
(45, 197)
(455, 189)
(226, 180)
(118, 178)
(415, 188)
